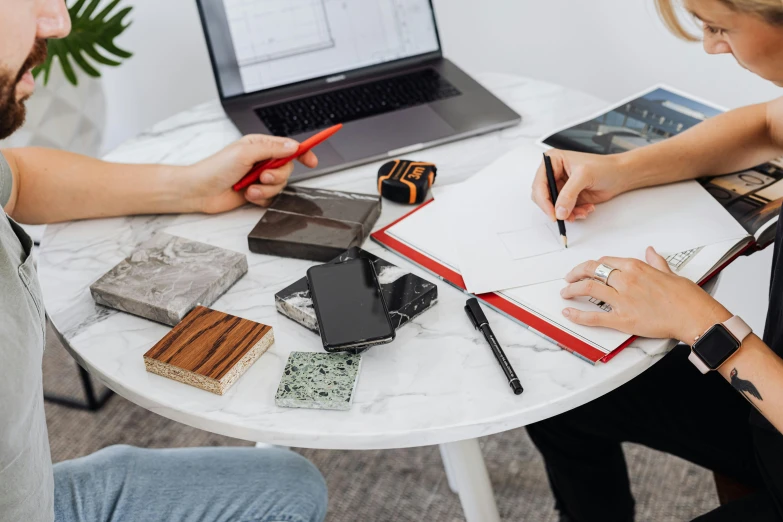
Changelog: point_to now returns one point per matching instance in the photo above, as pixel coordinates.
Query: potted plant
(68, 109)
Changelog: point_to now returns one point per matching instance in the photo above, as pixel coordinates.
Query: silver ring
(602, 273)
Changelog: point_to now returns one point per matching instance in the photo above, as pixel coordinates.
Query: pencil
(550, 177)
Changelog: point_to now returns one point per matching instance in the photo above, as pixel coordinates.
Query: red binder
(505, 306)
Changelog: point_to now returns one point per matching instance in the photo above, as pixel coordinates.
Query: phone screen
(349, 305)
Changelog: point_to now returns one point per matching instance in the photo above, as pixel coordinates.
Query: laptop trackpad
(391, 131)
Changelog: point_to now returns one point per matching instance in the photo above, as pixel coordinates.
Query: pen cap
(476, 314)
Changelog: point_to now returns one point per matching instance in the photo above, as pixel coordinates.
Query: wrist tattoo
(743, 385)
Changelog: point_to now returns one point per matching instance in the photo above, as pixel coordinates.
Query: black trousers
(672, 408)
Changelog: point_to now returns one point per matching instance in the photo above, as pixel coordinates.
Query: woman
(673, 407)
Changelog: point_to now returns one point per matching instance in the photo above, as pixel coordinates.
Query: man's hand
(210, 181)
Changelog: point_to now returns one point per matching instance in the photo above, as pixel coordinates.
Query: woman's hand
(646, 299)
(582, 181)
(209, 182)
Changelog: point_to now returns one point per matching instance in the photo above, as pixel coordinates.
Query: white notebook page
(502, 240)
(422, 232)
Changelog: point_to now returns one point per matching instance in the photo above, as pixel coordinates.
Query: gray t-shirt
(26, 481)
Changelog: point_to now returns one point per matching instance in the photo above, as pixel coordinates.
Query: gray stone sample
(168, 276)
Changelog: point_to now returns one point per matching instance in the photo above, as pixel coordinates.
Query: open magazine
(753, 197)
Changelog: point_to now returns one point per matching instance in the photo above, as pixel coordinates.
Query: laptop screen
(262, 44)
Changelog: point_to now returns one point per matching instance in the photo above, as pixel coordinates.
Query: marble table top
(437, 382)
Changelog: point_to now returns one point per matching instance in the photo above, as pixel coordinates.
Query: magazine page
(753, 197)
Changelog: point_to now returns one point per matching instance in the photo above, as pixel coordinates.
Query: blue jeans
(127, 484)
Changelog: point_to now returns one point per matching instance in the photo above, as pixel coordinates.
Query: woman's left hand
(647, 299)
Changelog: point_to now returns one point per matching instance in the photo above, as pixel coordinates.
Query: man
(45, 186)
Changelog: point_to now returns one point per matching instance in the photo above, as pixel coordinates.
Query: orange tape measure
(405, 181)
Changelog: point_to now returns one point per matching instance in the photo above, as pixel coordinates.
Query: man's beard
(12, 111)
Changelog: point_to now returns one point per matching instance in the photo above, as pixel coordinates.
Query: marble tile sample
(406, 295)
(321, 381)
(167, 276)
(316, 224)
(209, 349)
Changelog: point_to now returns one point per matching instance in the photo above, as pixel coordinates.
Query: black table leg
(91, 403)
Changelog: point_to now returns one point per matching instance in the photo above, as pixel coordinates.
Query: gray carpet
(394, 485)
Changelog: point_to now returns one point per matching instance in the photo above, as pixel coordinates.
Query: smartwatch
(716, 345)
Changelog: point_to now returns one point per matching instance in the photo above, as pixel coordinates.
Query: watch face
(715, 346)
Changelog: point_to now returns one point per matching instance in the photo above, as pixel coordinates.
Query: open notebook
(538, 307)
(502, 240)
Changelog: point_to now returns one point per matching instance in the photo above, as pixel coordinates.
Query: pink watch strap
(698, 363)
(737, 327)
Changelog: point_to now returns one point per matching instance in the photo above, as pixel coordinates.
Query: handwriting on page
(530, 242)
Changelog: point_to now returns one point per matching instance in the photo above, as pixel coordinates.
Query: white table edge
(425, 437)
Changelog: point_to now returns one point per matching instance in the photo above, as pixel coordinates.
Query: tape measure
(405, 181)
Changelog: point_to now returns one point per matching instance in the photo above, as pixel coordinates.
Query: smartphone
(349, 305)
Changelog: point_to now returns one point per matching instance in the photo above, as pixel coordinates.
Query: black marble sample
(406, 295)
(316, 224)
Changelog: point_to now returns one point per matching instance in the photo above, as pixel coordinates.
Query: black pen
(550, 177)
(479, 320)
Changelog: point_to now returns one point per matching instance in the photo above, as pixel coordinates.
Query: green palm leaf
(91, 42)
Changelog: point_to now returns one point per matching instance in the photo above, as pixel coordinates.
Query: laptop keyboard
(354, 103)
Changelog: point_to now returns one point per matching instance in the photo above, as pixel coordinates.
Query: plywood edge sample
(209, 350)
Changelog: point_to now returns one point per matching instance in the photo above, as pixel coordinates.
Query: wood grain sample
(209, 349)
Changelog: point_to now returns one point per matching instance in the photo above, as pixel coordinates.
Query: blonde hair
(770, 10)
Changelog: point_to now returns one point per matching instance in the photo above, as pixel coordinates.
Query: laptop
(294, 67)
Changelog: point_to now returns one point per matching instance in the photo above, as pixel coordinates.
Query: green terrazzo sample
(319, 380)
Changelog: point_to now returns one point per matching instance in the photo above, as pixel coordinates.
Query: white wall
(609, 48)
(168, 73)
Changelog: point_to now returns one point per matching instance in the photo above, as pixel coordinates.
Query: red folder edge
(502, 305)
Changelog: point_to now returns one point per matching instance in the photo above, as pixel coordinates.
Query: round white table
(437, 383)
